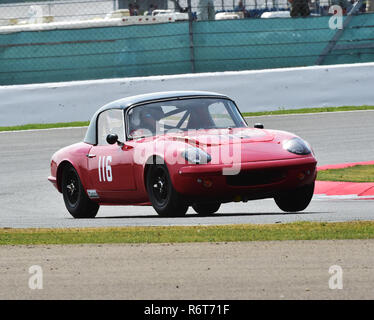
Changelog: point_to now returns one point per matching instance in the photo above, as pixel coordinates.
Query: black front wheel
(206, 209)
(295, 200)
(75, 198)
(164, 198)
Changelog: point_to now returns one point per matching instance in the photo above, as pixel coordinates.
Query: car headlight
(297, 146)
(196, 156)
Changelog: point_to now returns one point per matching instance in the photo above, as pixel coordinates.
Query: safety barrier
(261, 90)
(96, 52)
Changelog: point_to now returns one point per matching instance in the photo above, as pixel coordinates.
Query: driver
(148, 120)
(144, 120)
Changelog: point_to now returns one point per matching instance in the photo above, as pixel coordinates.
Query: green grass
(246, 114)
(357, 173)
(46, 126)
(306, 110)
(226, 233)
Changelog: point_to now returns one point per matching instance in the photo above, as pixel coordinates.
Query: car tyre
(75, 198)
(295, 200)
(206, 209)
(164, 198)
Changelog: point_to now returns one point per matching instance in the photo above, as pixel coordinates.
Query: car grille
(257, 177)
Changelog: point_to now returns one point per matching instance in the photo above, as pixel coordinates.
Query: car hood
(239, 144)
(216, 137)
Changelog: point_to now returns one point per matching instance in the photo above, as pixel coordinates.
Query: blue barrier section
(161, 49)
(359, 33)
(259, 43)
(95, 53)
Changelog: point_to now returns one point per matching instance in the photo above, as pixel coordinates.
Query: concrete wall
(253, 91)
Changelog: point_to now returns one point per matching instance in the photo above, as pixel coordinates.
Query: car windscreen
(182, 114)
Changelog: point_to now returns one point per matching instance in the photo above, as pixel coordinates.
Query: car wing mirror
(112, 138)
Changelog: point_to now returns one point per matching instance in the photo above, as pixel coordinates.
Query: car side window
(110, 121)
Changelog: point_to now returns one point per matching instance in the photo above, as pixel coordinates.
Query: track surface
(27, 199)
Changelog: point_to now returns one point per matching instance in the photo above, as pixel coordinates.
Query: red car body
(116, 174)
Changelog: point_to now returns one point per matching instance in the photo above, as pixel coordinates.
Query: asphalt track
(27, 199)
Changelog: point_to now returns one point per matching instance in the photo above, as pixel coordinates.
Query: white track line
(341, 197)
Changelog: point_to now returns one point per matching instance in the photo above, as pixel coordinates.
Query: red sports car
(179, 149)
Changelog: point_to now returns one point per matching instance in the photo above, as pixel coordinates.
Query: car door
(111, 166)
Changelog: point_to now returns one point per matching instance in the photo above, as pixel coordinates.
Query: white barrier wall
(264, 90)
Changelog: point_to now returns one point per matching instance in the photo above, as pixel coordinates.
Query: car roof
(127, 102)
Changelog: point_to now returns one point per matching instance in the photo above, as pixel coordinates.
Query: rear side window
(110, 121)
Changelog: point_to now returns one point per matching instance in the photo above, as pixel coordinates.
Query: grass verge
(356, 173)
(225, 233)
(246, 114)
(46, 126)
(307, 110)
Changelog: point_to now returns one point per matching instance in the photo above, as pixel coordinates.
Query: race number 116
(105, 170)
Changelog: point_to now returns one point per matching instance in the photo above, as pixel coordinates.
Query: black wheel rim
(72, 188)
(160, 186)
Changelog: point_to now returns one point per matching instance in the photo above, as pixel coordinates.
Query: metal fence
(13, 12)
(66, 40)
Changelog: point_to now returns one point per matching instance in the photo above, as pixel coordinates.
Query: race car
(173, 150)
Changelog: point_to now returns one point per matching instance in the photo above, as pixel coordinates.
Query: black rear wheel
(164, 198)
(75, 198)
(295, 200)
(206, 209)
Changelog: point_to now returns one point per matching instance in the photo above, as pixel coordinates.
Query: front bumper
(265, 179)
